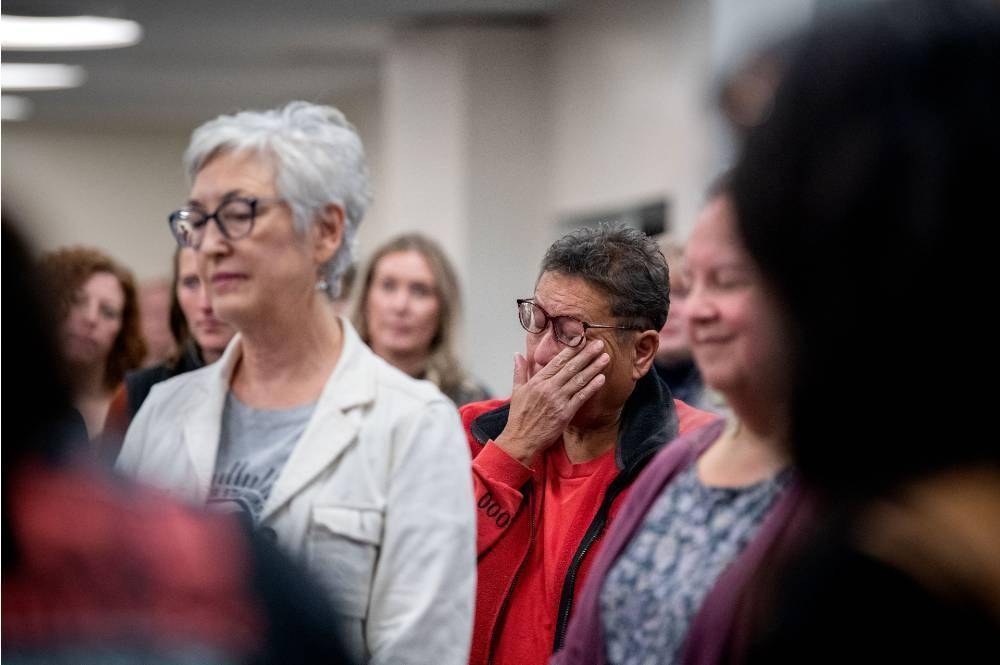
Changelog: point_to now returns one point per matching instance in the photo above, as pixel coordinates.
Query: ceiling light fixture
(36, 33)
(25, 76)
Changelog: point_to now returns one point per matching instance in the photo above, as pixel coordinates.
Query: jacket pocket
(342, 550)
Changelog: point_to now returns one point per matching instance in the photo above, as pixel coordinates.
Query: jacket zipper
(594, 531)
(517, 573)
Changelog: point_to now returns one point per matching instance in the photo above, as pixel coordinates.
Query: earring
(322, 285)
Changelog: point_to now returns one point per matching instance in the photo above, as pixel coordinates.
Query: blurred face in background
(734, 321)
(94, 320)
(402, 306)
(675, 347)
(209, 333)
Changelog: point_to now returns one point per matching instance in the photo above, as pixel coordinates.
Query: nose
(213, 242)
(204, 300)
(543, 346)
(400, 299)
(88, 311)
(699, 306)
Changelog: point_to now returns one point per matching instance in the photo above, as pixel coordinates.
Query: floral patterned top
(690, 535)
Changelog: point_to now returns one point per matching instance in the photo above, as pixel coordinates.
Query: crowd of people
(730, 452)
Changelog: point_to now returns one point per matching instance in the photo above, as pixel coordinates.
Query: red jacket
(508, 513)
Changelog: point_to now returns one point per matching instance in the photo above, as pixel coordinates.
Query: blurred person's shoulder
(102, 563)
(143, 566)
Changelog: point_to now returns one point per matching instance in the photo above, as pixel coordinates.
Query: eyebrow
(232, 193)
(579, 316)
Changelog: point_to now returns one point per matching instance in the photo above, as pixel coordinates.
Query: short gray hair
(624, 263)
(318, 159)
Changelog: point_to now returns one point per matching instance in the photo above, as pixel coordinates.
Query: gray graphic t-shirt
(253, 447)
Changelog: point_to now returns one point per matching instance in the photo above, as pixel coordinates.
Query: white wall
(109, 189)
(465, 145)
(481, 137)
(631, 109)
(112, 188)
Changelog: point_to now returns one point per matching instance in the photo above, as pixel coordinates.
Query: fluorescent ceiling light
(24, 76)
(34, 33)
(13, 107)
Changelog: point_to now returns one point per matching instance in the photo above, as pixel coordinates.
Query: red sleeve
(116, 423)
(497, 480)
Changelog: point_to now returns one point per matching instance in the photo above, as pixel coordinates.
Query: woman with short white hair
(351, 465)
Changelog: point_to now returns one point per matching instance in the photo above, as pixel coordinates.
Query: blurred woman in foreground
(99, 326)
(668, 580)
(674, 359)
(864, 197)
(97, 570)
(408, 313)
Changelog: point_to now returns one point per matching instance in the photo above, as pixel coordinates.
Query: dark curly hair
(624, 263)
(67, 270)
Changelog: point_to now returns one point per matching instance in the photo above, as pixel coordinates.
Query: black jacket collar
(649, 421)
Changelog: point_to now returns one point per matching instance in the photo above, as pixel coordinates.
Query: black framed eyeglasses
(567, 329)
(234, 217)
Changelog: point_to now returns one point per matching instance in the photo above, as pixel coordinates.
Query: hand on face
(543, 405)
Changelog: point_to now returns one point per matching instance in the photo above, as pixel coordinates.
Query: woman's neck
(287, 363)
(752, 448)
(209, 356)
(93, 397)
(89, 380)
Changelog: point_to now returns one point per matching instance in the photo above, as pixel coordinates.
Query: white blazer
(376, 497)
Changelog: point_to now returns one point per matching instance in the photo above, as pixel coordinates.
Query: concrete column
(465, 119)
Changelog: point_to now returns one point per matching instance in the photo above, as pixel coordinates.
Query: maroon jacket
(714, 635)
(508, 510)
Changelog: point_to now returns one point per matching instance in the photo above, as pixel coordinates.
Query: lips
(711, 339)
(212, 325)
(222, 280)
(227, 277)
(82, 340)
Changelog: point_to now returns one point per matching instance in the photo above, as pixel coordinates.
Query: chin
(231, 308)
(719, 381)
(216, 346)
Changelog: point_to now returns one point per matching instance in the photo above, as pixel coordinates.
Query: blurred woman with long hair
(408, 313)
(99, 326)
